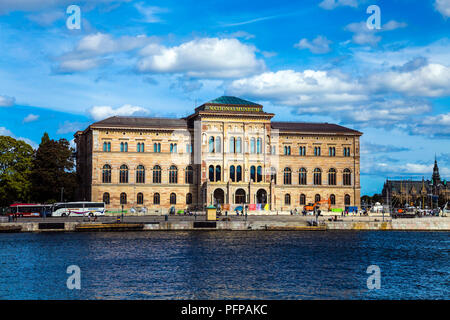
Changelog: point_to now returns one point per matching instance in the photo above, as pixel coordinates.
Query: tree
(53, 169)
(15, 167)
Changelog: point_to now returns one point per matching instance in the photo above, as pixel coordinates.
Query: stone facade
(229, 151)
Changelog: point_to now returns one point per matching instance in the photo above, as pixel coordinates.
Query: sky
(317, 61)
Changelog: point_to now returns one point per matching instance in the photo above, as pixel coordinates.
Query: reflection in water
(225, 265)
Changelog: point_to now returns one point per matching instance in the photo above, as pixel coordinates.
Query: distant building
(228, 152)
(417, 192)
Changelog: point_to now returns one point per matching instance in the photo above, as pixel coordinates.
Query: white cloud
(363, 35)
(103, 112)
(206, 57)
(46, 18)
(71, 127)
(332, 4)
(7, 6)
(6, 132)
(443, 6)
(149, 13)
(30, 118)
(431, 80)
(318, 45)
(6, 101)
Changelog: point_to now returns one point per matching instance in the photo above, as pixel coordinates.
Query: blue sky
(303, 60)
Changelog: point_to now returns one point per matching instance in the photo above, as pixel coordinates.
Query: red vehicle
(26, 210)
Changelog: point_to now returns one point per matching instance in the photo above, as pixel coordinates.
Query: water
(225, 265)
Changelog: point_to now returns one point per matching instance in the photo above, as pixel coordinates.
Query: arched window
(252, 145)
(122, 148)
(173, 198)
(140, 198)
(302, 199)
(238, 173)
(218, 173)
(123, 175)
(189, 175)
(253, 173)
(302, 176)
(232, 148)
(238, 145)
(105, 146)
(259, 146)
(317, 198)
(173, 174)
(106, 174)
(347, 178)
(140, 174)
(106, 198)
(218, 145)
(259, 174)
(123, 198)
(287, 176)
(173, 148)
(126, 146)
(332, 177)
(142, 147)
(287, 199)
(211, 144)
(189, 198)
(157, 147)
(211, 173)
(332, 199)
(317, 176)
(232, 174)
(156, 198)
(156, 174)
(347, 200)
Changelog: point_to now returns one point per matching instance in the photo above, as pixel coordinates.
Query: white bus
(78, 209)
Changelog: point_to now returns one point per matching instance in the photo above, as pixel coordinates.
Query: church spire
(436, 177)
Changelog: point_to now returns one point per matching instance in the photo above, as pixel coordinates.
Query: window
(332, 199)
(211, 173)
(273, 175)
(189, 198)
(218, 145)
(106, 198)
(218, 173)
(140, 198)
(287, 199)
(124, 147)
(173, 198)
(238, 173)
(346, 151)
(232, 174)
(173, 148)
(156, 198)
(173, 174)
(253, 173)
(157, 147)
(123, 174)
(189, 175)
(238, 145)
(259, 146)
(156, 174)
(317, 151)
(140, 147)
(211, 144)
(107, 146)
(106, 174)
(140, 174)
(302, 199)
(347, 177)
(302, 151)
(332, 177)
(317, 176)
(188, 148)
(287, 176)
(287, 150)
(347, 200)
(252, 145)
(332, 151)
(259, 174)
(302, 176)
(123, 198)
(274, 150)
(317, 198)
(232, 142)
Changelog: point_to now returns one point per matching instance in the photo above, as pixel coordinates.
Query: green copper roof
(233, 101)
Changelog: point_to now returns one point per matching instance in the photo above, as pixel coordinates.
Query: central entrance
(219, 197)
(239, 197)
(261, 196)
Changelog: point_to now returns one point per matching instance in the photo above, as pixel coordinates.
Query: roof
(311, 127)
(229, 100)
(141, 122)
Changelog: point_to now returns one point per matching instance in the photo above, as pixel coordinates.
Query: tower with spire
(436, 178)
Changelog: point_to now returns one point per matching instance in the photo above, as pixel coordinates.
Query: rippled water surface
(225, 265)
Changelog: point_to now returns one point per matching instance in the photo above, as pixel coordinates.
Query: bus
(28, 210)
(78, 209)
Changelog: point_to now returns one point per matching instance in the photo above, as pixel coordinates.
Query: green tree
(15, 167)
(53, 169)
